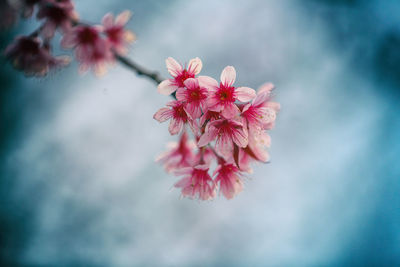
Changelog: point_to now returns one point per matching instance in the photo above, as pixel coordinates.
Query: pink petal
(230, 111)
(123, 18)
(174, 68)
(183, 182)
(49, 29)
(260, 99)
(193, 109)
(208, 136)
(108, 20)
(275, 106)
(175, 126)
(268, 115)
(214, 104)
(240, 137)
(224, 146)
(227, 189)
(266, 88)
(181, 94)
(191, 83)
(195, 66)
(260, 153)
(203, 118)
(83, 68)
(217, 170)
(183, 171)
(202, 167)
(264, 139)
(246, 107)
(68, 40)
(244, 161)
(228, 76)
(163, 114)
(166, 87)
(245, 94)
(194, 126)
(208, 82)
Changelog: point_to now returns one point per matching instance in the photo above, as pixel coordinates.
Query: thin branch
(130, 64)
(141, 71)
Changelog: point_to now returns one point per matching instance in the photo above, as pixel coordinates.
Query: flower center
(226, 94)
(29, 46)
(114, 34)
(181, 78)
(56, 14)
(180, 113)
(87, 36)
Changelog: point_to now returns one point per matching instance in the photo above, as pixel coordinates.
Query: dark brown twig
(141, 71)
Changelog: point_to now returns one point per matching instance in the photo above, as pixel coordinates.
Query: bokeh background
(79, 185)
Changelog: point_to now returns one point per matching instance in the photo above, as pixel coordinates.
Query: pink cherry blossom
(56, 14)
(227, 132)
(176, 113)
(91, 50)
(179, 75)
(255, 150)
(117, 35)
(29, 55)
(196, 183)
(194, 97)
(223, 95)
(216, 112)
(179, 155)
(258, 114)
(229, 179)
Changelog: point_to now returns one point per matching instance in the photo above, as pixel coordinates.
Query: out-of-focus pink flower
(29, 55)
(194, 97)
(91, 50)
(223, 95)
(259, 114)
(196, 183)
(255, 150)
(8, 15)
(119, 37)
(57, 14)
(228, 177)
(179, 155)
(179, 75)
(226, 132)
(176, 113)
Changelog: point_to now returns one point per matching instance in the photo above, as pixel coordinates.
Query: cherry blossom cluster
(228, 124)
(94, 46)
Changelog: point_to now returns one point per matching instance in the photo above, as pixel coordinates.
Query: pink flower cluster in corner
(228, 124)
(95, 46)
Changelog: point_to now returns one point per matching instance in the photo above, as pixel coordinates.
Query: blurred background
(79, 185)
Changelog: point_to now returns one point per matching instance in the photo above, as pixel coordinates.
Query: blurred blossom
(56, 14)
(91, 49)
(116, 33)
(29, 55)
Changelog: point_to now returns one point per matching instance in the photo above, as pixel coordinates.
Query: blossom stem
(141, 71)
(130, 64)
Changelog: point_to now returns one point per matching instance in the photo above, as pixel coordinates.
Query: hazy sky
(83, 162)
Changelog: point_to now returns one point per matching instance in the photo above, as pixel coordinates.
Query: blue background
(79, 185)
